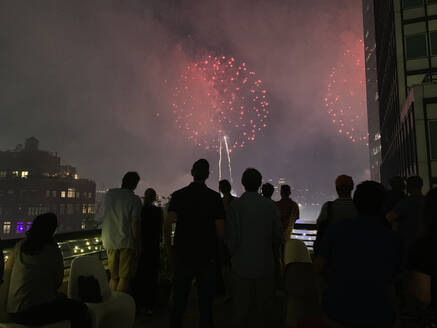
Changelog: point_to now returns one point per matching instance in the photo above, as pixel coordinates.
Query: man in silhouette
(267, 190)
(253, 230)
(121, 231)
(199, 216)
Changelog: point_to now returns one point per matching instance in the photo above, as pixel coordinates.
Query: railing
(306, 232)
(72, 245)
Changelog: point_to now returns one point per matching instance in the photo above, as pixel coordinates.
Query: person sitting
(422, 263)
(37, 273)
(362, 258)
(267, 190)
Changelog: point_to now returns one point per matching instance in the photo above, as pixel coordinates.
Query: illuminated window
(62, 194)
(24, 174)
(91, 208)
(15, 173)
(76, 177)
(84, 208)
(20, 227)
(7, 227)
(71, 193)
(3, 174)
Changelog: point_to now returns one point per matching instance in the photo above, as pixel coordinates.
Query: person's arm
(323, 214)
(419, 287)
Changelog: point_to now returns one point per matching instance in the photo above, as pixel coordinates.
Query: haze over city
(94, 81)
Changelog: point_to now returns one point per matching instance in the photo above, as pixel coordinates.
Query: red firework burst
(217, 97)
(345, 99)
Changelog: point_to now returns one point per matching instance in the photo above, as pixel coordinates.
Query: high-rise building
(406, 67)
(32, 182)
(372, 90)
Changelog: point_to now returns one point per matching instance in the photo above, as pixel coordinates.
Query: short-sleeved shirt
(410, 213)
(35, 278)
(252, 229)
(197, 208)
(122, 207)
(364, 257)
(289, 210)
(342, 208)
(422, 258)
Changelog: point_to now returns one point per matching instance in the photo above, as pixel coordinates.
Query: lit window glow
(24, 174)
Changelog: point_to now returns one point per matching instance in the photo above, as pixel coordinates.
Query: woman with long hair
(37, 273)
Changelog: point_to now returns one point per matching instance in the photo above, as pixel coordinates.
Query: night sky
(93, 80)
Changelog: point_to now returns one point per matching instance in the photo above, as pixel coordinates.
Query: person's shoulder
(213, 193)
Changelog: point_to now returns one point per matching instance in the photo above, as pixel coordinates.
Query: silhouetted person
(407, 215)
(395, 194)
(225, 188)
(267, 190)
(121, 231)
(342, 208)
(253, 229)
(37, 273)
(147, 276)
(199, 216)
(289, 211)
(422, 261)
(362, 258)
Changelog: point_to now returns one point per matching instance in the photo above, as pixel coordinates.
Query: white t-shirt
(122, 207)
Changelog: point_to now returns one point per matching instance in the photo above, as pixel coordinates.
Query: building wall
(33, 182)
(372, 90)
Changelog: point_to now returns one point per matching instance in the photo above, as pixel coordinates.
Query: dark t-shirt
(151, 227)
(423, 259)
(197, 208)
(364, 256)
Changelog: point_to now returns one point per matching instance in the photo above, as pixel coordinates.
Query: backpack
(322, 227)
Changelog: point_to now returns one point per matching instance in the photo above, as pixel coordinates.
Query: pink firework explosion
(218, 97)
(345, 99)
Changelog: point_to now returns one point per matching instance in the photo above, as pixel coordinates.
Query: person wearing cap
(199, 215)
(342, 207)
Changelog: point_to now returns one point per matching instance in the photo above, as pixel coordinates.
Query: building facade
(372, 96)
(32, 182)
(406, 57)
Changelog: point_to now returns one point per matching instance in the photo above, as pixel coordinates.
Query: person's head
(344, 185)
(414, 185)
(225, 187)
(267, 190)
(397, 183)
(130, 180)
(149, 196)
(430, 213)
(40, 233)
(251, 180)
(200, 170)
(369, 198)
(285, 191)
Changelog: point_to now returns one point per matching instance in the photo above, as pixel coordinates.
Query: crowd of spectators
(374, 255)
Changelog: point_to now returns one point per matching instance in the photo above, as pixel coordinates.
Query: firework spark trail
(345, 99)
(229, 158)
(218, 95)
